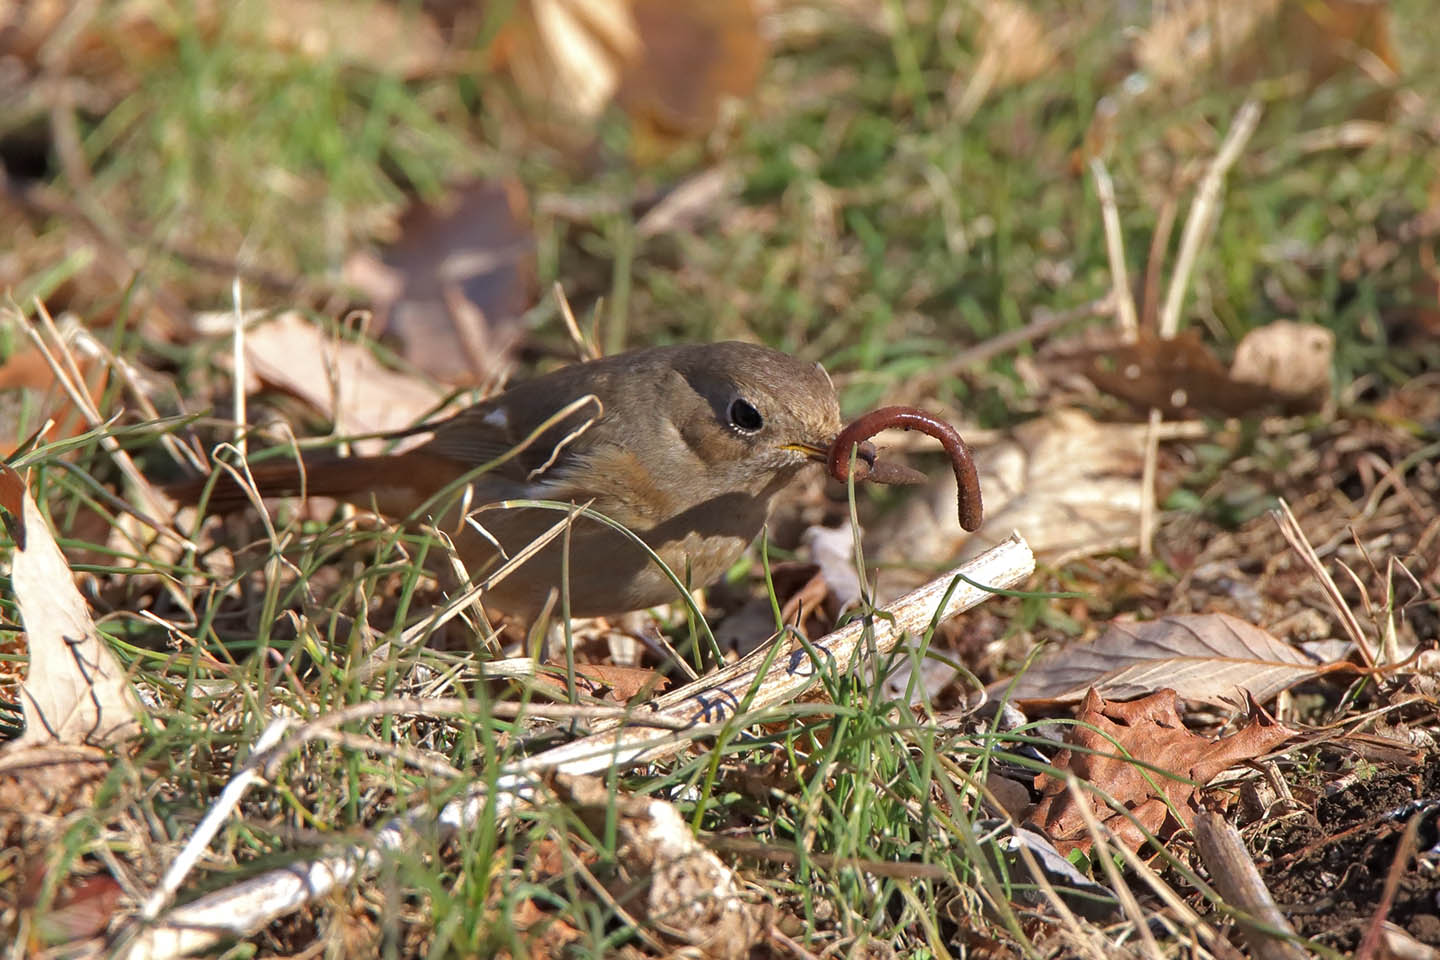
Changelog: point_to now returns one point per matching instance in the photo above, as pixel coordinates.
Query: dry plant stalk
(705, 707)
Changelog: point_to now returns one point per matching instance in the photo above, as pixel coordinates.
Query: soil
(1327, 872)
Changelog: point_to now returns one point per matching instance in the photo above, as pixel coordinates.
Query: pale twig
(1155, 262)
(1202, 213)
(1149, 466)
(237, 360)
(1197, 227)
(587, 349)
(1115, 250)
(213, 820)
(1290, 530)
(1239, 883)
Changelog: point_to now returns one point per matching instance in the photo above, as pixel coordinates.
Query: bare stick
(1115, 251)
(1202, 213)
(1290, 529)
(237, 359)
(1239, 883)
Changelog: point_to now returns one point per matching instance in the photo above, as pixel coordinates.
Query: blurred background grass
(900, 179)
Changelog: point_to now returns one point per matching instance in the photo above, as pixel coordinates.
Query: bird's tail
(394, 484)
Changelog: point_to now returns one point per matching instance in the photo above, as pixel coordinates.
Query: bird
(685, 446)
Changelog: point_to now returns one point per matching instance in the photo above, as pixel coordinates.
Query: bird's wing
(525, 432)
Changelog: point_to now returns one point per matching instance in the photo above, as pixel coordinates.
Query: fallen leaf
(1317, 38)
(567, 55)
(122, 36)
(1179, 376)
(27, 370)
(452, 288)
(608, 681)
(685, 891)
(1116, 757)
(1210, 657)
(1291, 359)
(83, 908)
(670, 66)
(1015, 47)
(691, 58)
(75, 690)
(1069, 484)
(341, 379)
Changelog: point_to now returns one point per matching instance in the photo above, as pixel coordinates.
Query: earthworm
(967, 481)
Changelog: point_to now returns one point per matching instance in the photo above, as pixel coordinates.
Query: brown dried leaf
(83, 908)
(27, 371)
(340, 378)
(687, 893)
(609, 681)
(1292, 359)
(1112, 758)
(669, 65)
(452, 288)
(1180, 376)
(692, 57)
(1210, 657)
(75, 690)
(1070, 485)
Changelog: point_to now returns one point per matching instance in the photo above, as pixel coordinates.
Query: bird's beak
(812, 451)
(821, 452)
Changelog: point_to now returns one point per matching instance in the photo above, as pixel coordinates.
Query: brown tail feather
(394, 483)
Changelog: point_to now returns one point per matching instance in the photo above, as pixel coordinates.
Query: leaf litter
(1072, 515)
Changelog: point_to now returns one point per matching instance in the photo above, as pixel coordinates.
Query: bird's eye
(744, 417)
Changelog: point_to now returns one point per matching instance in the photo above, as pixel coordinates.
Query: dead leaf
(1292, 359)
(1113, 757)
(340, 378)
(124, 35)
(608, 681)
(83, 908)
(453, 287)
(1210, 657)
(1014, 47)
(567, 55)
(27, 370)
(75, 690)
(1263, 38)
(692, 57)
(1180, 376)
(686, 893)
(1070, 485)
(670, 66)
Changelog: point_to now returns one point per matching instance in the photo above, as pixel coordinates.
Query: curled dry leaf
(341, 379)
(1069, 485)
(1182, 377)
(75, 691)
(1292, 359)
(452, 287)
(670, 65)
(1121, 749)
(1211, 657)
(687, 893)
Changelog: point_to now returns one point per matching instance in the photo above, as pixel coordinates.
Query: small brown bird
(686, 446)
